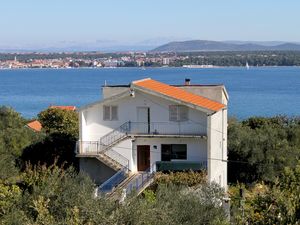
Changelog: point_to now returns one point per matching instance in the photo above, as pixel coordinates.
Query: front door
(143, 119)
(143, 157)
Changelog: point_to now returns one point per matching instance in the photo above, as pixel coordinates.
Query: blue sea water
(262, 91)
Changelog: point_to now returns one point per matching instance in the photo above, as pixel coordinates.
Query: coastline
(150, 67)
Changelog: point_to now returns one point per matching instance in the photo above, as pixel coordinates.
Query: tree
(58, 145)
(55, 120)
(14, 137)
(260, 148)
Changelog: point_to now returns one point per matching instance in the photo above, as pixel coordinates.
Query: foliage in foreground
(51, 195)
(260, 148)
(269, 204)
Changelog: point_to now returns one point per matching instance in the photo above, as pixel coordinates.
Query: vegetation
(56, 120)
(189, 178)
(254, 58)
(60, 129)
(264, 156)
(260, 148)
(277, 203)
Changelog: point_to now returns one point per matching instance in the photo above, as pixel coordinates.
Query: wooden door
(143, 157)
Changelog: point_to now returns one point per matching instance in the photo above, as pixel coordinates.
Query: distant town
(92, 59)
(148, 59)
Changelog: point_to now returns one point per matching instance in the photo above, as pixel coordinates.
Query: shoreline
(150, 67)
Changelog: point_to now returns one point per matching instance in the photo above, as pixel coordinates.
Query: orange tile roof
(35, 125)
(179, 94)
(65, 107)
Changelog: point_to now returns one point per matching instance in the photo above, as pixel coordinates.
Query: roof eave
(106, 100)
(145, 90)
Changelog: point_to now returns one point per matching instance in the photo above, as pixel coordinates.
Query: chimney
(187, 81)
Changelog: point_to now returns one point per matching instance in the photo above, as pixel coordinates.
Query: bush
(190, 178)
(260, 148)
(277, 203)
(175, 204)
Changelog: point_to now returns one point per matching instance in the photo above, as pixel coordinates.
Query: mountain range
(204, 45)
(150, 45)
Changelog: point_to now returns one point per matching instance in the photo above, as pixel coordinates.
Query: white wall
(125, 149)
(196, 148)
(217, 146)
(95, 127)
(215, 93)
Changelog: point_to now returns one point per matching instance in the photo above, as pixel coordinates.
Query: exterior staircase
(134, 183)
(122, 180)
(109, 161)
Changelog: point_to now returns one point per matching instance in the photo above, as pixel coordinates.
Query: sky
(117, 22)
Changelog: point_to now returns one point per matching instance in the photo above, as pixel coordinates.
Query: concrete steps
(109, 161)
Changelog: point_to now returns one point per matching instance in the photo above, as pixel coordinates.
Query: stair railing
(114, 136)
(109, 185)
(117, 157)
(140, 181)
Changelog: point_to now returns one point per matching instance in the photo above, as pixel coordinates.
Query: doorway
(143, 119)
(143, 157)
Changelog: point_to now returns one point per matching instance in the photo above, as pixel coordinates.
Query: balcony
(166, 129)
(141, 129)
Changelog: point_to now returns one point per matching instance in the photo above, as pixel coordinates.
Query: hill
(204, 45)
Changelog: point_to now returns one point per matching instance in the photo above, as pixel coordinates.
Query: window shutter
(173, 113)
(114, 112)
(183, 113)
(106, 112)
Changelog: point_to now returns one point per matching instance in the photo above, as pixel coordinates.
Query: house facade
(148, 126)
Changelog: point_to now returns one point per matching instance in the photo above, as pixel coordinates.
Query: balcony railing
(167, 128)
(87, 147)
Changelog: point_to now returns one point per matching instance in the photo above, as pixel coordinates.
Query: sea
(258, 91)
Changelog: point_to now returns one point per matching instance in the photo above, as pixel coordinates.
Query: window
(173, 151)
(178, 113)
(110, 112)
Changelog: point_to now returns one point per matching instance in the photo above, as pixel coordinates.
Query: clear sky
(39, 22)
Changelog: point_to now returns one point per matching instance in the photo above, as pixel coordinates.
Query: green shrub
(189, 178)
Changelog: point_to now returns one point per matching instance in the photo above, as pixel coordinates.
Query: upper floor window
(178, 113)
(110, 112)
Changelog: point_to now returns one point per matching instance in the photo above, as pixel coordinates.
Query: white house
(146, 126)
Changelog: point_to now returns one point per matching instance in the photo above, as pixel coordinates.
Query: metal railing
(167, 128)
(140, 128)
(123, 161)
(113, 181)
(87, 147)
(114, 136)
(140, 181)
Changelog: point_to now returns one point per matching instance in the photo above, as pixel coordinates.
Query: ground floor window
(173, 151)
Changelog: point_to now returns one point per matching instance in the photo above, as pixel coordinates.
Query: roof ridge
(136, 81)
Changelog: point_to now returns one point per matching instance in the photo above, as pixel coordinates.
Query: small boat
(247, 66)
